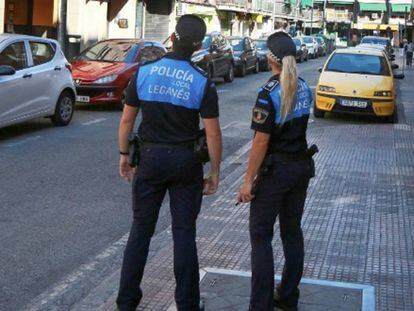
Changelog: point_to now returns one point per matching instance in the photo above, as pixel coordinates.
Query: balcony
(253, 6)
(343, 16)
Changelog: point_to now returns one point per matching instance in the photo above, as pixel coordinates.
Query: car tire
(229, 77)
(318, 113)
(256, 68)
(241, 72)
(64, 109)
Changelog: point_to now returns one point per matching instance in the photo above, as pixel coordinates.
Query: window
(247, 44)
(359, 63)
(149, 53)
(110, 51)
(237, 44)
(14, 55)
(41, 52)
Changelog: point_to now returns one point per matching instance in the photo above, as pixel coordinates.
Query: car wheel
(64, 109)
(230, 75)
(256, 67)
(317, 112)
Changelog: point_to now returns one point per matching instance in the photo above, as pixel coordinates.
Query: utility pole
(324, 18)
(62, 24)
(311, 26)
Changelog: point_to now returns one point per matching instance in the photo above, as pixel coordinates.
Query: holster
(201, 148)
(134, 150)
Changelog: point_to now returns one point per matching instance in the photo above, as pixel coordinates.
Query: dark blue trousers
(174, 170)
(283, 193)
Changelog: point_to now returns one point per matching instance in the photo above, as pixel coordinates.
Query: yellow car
(358, 81)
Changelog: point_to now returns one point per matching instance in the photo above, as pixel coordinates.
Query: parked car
(35, 81)
(311, 45)
(322, 51)
(245, 55)
(262, 50)
(357, 81)
(103, 71)
(379, 40)
(301, 50)
(215, 57)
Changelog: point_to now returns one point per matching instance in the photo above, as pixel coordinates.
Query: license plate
(83, 99)
(353, 103)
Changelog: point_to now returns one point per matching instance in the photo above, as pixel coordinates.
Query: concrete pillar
(2, 11)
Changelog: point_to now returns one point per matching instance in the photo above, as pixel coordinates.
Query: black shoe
(280, 304)
(201, 306)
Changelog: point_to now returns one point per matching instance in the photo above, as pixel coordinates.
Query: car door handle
(57, 68)
(27, 75)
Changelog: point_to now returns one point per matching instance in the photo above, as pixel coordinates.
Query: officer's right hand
(211, 184)
(125, 170)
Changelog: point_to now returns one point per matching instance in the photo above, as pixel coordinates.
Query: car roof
(371, 46)
(376, 37)
(356, 50)
(11, 36)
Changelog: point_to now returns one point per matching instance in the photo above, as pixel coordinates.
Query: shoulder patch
(270, 86)
(260, 115)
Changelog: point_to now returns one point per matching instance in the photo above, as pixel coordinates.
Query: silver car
(35, 81)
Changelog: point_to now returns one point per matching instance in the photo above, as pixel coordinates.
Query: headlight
(383, 93)
(329, 89)
(106, 79)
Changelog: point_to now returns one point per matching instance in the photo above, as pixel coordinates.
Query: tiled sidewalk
(358, 223)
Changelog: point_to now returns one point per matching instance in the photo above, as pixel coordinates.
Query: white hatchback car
(35, 81)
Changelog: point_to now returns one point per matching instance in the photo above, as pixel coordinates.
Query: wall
(88, 19)
(125, 9)
(2, 13)
(159, 27)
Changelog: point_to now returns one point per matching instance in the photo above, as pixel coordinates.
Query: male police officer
(172, 93)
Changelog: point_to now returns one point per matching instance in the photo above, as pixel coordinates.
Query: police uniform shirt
(172, 93)
(287, 135)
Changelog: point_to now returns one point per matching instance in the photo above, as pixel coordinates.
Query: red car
(102, 72)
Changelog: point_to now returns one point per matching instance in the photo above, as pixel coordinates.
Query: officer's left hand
(211, 184)
(125, 170)
(245, 193)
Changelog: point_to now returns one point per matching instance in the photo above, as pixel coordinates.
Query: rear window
(41, 52)
(237, 44)
(261, 45)
(373, 40)
(109, 51)
(358, 63)
(308, 40)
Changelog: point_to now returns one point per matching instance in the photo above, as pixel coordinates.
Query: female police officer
(171, 94)
(277, 177)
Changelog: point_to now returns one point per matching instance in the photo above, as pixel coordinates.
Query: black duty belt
(279, 156)
(178, 145)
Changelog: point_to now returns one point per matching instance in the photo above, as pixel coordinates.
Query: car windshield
(374, 40)
(358, 63)
(308, 40)
(297, 42)
(206, 42)
(261, 45)
(110, 51)
(237, 44)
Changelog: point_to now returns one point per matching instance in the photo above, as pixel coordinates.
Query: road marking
(23, 141)
(72, 280)
(94, 121)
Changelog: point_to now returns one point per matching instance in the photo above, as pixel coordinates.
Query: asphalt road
(61, 200)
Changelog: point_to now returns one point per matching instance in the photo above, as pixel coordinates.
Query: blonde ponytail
(288, 85)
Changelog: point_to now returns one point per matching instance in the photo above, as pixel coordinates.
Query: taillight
(69, 67)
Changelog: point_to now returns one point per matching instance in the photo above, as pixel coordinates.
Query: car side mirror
(320, 69)
(394, 66)
(6, 70)
(399, 76)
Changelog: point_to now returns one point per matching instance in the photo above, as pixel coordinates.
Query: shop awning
(400, 8)
(341, 2)
(374, 7)
(306, 3)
